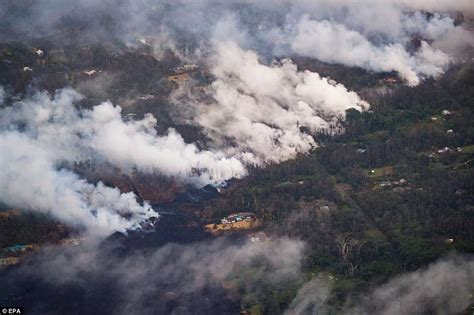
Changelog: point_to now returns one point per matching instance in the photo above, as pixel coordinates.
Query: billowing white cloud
(379, 31)
(73, 134)
(332, 42)
(257, 112)
(30, 180)
(382, 37)
(41, 133)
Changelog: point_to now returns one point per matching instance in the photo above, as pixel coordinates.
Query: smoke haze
(368, 34)
(444, 287)
(175, 278)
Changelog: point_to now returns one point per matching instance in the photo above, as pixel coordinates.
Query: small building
(90, 72)
(443, 150)
(225, 221)
(147, 97)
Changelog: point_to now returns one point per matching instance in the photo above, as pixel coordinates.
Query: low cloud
(175, 278)
(444, 287)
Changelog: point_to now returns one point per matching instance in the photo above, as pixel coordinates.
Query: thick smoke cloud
(259, 112)
(40, 134)
(173, 279)
(444, 287)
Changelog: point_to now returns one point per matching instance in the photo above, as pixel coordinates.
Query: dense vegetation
(392, 194)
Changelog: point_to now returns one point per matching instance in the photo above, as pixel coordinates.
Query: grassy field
(381, 171)
(468, 149)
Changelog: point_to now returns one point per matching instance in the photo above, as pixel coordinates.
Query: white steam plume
(374, 35)
(382, 37)
(78, 134)
(335, 43)
(30, 180)
(258, 111)
(41, 133)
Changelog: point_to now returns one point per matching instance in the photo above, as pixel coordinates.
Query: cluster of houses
(15, 253)
(233, 222)
(396, 185)
(19, 248)
(445, 150)
(185, 68)
(238, 217)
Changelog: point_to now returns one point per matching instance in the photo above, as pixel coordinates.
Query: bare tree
(349, 249)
